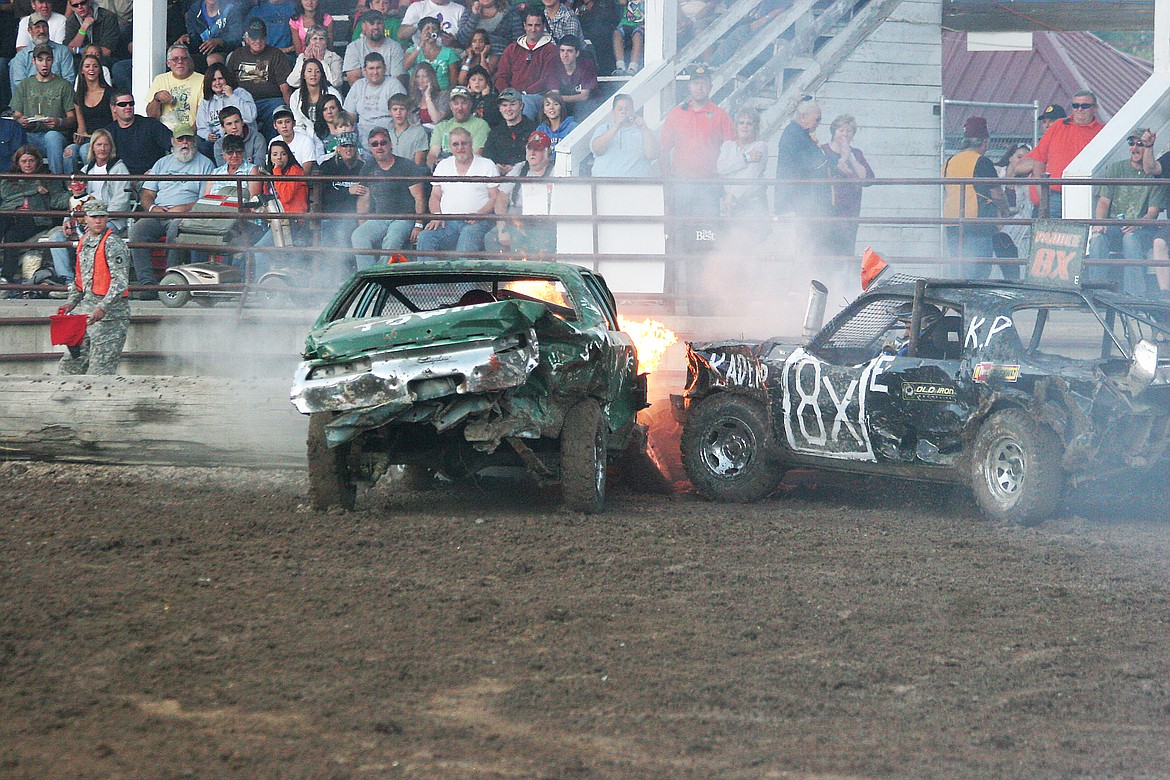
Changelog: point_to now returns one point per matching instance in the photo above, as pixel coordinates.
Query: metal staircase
(804, 44)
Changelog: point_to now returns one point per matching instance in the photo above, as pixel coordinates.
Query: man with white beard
(176, 197)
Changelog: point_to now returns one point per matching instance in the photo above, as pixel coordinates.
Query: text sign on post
(1058, 253)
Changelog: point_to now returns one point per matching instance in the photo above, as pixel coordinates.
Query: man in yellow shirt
(175, 95)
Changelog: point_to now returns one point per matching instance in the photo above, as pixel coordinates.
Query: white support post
(1161, 36)
(661, 45)
(150, 42)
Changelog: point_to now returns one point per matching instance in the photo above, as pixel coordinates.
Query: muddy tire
(1015, 469)
(583, 458)
(174, 299)
(330, 482)
(727, 450)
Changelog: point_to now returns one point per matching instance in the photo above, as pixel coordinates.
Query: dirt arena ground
(166, 623)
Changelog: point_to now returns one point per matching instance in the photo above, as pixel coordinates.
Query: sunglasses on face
(378, 144)
(1083, 105)
(1134, 142)
(124, 103)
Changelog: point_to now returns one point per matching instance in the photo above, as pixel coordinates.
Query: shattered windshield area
(1074, 330)
(398, 295)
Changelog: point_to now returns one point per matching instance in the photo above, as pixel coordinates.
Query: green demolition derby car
(456, 366)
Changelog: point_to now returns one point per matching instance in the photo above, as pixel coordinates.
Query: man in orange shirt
(691, 137)
(1063, 141)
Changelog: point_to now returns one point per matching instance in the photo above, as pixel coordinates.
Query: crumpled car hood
(353, 337)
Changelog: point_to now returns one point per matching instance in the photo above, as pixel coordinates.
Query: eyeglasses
(232, 152)
(179, 59)
(124, 103)
(1134, 142)
(378, 144)
(1082, 105)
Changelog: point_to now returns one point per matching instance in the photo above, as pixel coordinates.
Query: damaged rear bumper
(402, 378)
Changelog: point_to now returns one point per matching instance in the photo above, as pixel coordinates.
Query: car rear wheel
(583, 450)
(174, 299)
(1015, 468)
(727, 450)
(330, 481)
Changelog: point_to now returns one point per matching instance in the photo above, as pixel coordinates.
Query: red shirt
(1061, 144)
(694, 135)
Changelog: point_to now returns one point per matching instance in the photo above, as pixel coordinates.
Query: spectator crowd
(412, 93)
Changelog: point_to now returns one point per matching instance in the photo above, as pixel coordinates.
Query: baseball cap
(42, 48)
(97, 208)
(282, 111)
(183, 131)
(257, 29)
(509, 95)
(1053, 112)
(462, 92)
(700, 70)
(539, 140)
(348, 138)
(976, 127)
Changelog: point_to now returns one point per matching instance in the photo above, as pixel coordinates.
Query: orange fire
(540, 290)
(651, 340)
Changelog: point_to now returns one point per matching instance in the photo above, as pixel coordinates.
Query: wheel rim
(729, 447)
(1005, 468)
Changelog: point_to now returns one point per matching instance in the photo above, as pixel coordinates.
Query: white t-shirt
(448, 16)
(305, 147)
(466, 197)
(56, 30)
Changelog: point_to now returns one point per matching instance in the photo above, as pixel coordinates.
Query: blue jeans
(264, 109)
(976, 243)
(52, 145)
(1133, 246)
(121, 74)
(384, 233)
(455, 234)
(75, 156)
(64, 265)
(533, 102)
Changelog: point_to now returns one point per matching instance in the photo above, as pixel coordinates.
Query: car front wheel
(583, 450)
(330, 481)
(727, 451)
(1015, 468)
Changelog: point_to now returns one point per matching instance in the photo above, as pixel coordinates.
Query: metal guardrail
(669, 220)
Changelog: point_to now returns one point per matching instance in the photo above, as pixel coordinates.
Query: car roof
(958, 292)
(423, 267)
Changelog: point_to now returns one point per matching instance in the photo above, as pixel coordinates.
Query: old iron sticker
(985, 372)
(927, 391)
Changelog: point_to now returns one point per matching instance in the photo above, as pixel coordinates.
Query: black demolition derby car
(1015, 389)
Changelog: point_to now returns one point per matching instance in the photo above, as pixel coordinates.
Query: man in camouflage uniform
(100, 290)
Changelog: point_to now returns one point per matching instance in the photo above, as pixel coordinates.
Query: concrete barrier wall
(160, 420)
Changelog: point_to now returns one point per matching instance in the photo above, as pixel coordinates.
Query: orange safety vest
(101, 269)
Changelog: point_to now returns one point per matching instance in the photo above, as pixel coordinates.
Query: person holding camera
(431, 50)
(625, 146)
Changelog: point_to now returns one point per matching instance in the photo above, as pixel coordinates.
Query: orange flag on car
(872, 266)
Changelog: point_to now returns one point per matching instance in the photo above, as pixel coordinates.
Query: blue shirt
(178, 193)
(275, 17)
(624, 157)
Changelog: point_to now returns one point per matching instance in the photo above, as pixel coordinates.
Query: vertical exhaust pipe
(814, 315)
